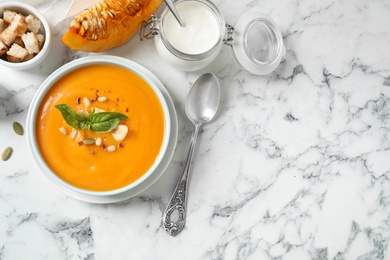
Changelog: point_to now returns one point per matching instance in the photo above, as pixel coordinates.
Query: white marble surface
(296, 166)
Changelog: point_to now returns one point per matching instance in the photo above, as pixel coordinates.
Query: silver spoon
(172, 7)
(201, 106)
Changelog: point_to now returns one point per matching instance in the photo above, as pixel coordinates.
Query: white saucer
(160, 168)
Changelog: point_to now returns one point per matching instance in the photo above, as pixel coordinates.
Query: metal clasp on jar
(228, 40)
(149, 28)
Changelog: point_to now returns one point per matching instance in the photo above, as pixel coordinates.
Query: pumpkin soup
(100, 160)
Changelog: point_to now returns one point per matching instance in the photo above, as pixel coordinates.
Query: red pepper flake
(127, 110)
(117, 99)
(92, 152)
(120, 145)
(95, 98)
(78, 101)
(104, 146)
(80, 143)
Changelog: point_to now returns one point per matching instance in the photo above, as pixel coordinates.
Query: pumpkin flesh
(108, 24)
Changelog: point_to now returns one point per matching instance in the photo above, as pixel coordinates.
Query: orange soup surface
(91, 166)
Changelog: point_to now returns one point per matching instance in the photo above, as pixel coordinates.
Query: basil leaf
(99, 122)
(105, 121)
(85, 125)
(71, 118)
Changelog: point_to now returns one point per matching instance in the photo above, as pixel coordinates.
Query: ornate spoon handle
(174, 217)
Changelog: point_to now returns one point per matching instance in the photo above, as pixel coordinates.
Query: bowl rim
(46, 27)
(52, 79)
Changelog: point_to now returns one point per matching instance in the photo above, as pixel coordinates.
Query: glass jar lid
(257, 44)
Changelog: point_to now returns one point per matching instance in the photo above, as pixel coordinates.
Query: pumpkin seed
(85, 25)
(89, 141)
(6, 153)
(18, 128)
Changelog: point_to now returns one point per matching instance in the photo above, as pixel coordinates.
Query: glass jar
(256, 43)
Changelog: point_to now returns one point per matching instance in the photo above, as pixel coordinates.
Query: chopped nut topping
(111, 148)
(102, 98)
(83, 112)
(86, 102)
(73, 133)
(98, 110)
(120, 132)
(63, 130)
(98, 141)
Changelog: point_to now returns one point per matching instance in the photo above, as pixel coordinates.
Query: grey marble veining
(296, 165)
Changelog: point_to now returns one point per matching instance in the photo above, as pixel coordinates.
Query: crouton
(8, 15)
(41, 40)
(8, 36)
(16, 53)
(3, 48)
(34, 25)
(29, 57)
(16, 28)
(30, 42)
(2, 25)
(21, 37)
(18, 25)
(19, 41)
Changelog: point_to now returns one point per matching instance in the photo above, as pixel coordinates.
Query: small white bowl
(33, 113)
(25, 10)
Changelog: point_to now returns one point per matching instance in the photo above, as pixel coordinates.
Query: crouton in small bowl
(24, 36)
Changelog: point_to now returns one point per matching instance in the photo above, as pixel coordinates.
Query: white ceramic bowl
(25, 10)
(45, 87)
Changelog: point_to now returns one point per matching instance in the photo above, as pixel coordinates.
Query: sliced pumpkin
(108, 24)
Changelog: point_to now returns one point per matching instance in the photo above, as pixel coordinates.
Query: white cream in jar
(255, 41)
(198, 43)
(200, 32)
